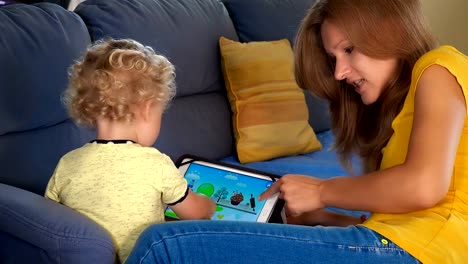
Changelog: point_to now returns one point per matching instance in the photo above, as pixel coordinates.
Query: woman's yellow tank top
(438, 234)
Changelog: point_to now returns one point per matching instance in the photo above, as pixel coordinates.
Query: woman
(398, 102)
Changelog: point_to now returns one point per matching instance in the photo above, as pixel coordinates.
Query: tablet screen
(234, 193)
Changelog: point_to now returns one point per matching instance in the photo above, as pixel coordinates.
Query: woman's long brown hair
(379, 29)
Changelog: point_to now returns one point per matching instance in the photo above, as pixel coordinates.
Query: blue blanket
(322, 164)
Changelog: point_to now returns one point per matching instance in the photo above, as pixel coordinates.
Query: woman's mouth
(358, 85)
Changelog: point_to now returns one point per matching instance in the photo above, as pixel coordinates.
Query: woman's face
(367, 75)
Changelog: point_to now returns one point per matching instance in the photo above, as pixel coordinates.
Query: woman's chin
(367, 100)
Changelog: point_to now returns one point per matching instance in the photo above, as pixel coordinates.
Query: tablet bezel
(267, 210)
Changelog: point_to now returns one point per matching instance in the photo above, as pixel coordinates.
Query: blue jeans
(243, 242)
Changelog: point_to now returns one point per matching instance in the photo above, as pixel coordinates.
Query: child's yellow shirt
(122, 187)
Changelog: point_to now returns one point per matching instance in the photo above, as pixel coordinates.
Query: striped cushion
(270, 115)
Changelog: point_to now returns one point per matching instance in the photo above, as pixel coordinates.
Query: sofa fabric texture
(39, 42)
(54, 233)
(187, 33)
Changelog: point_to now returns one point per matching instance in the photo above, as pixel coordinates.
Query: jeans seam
(369, 248)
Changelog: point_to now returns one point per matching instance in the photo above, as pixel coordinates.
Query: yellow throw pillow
(270, 115)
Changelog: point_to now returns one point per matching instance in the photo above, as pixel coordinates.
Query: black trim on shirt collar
(117, 141)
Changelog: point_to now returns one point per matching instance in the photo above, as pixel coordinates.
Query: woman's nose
(342, 69)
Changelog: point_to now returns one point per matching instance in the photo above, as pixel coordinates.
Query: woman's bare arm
(324, 218)
(424, 178)
(420, 182)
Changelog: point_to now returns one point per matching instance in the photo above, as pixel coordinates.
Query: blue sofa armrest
(34, 229)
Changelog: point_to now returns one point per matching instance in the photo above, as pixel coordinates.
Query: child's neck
(111, 130)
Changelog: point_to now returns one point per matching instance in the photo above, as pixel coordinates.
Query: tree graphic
(221, 194)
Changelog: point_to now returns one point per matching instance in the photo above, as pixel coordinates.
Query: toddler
(121, 89)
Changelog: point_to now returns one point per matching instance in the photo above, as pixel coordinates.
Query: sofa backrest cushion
(274, 20)
(186, 32)
(37, 45)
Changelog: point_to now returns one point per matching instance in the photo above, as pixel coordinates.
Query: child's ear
(147, 110)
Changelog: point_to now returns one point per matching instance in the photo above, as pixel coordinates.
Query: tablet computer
(234, 191)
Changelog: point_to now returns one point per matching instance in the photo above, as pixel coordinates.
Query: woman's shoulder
(447, 56)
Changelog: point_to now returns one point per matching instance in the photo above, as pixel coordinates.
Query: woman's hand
(301, 193)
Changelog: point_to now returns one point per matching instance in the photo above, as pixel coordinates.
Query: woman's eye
(349, 50)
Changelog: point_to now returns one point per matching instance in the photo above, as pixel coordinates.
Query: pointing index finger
(274, 188)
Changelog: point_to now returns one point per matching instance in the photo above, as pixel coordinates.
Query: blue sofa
(37, 45)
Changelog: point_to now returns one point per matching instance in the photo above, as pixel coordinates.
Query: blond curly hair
(114, 77)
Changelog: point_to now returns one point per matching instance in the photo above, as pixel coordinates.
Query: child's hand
(195, 206)
(211, 205)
